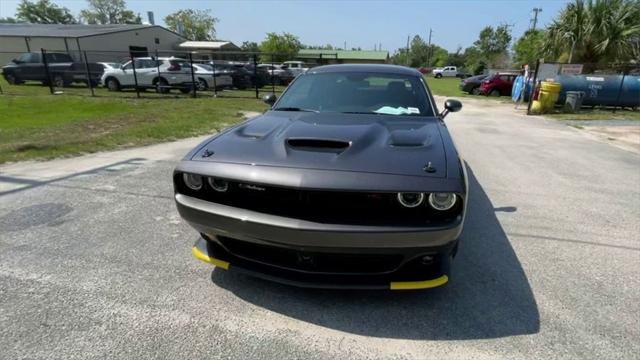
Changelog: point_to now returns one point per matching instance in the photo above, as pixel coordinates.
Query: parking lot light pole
(135, 76)
(193, 78)
(86, 69)
(255, 74)
(215, 86)
(43, 52)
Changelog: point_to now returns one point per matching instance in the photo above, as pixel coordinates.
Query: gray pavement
(96, 263)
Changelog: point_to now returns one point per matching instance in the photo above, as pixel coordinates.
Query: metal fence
(611, 86)
(145, 73)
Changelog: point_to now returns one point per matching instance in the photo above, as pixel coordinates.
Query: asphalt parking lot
(96, 263)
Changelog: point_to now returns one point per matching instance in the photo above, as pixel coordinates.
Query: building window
(157, 40)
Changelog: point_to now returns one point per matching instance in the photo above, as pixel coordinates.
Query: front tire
(113, 84)
(475, 91)
(12, 79)
(59, 81)
(162, 86)
(438, 76)
(202, 85)
(494, 93)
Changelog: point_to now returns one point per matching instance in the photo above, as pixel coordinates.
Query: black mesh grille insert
(312, 261)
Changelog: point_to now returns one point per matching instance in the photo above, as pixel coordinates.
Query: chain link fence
(146, 74)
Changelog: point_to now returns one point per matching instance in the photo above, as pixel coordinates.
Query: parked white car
(447, 71)
(204, 78)
(296, 67)
(161, 74)
(110, 65)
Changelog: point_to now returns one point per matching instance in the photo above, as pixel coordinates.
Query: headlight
(193, 181)
(442, 201)
(410, 200)
(218, 184)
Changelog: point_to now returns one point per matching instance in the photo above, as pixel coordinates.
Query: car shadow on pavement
(488, 295)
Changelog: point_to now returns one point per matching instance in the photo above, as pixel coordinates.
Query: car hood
(333, 141)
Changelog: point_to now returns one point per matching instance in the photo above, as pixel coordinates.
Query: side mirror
(450, 105)
(270, 99)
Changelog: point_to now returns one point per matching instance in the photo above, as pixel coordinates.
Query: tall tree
(494, 45)
(283, 47)
(250, 46)
(43, 12)
(109, 12)
(596, 30)
(474, 60)
(529, 47)
(197, 25)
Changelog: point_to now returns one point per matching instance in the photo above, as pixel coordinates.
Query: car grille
(329, 207)
(319, 262)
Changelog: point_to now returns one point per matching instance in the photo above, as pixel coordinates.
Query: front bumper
(312, 254)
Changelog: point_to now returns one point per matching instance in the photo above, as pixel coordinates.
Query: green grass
(37, 125)
(598, 114)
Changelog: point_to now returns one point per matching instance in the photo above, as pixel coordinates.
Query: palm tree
(593, 31)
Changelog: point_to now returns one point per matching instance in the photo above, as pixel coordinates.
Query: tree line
(594, 32)
(585, 31)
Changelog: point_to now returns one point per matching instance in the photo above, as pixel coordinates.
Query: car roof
(374, 68)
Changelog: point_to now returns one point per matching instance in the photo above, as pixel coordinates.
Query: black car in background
(471, 85)
(259, 75)
(243, 75)
(240, 76)
(63, 70)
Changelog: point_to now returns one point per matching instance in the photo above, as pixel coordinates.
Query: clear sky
(359, 23)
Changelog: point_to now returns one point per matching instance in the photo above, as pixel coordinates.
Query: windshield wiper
(361, 112)
(294, 109)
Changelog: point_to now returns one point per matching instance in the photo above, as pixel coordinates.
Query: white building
(101, 42)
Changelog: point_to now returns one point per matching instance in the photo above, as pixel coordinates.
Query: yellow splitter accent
(400, 285)
(413, 285)
(217, 262)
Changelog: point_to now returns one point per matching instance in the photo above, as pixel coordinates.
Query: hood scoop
(320, 145)
(409, 138)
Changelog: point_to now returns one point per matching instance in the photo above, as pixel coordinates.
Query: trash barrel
(549, 93)
(573, 101)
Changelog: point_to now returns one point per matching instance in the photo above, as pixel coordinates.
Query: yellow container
(549, 93)
(536, 107)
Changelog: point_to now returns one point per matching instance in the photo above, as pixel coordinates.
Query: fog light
(427, 260)
(193, 181)
(410, 200)
(218, 184)
(442, 201)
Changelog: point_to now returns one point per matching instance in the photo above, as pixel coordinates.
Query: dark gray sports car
(350, 180)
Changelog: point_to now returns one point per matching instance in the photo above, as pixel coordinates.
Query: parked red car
(498, 84)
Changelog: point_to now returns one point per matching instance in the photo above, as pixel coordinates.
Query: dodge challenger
(350, 180)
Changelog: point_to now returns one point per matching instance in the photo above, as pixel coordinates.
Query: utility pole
(534, 20)
(408, 36)
(345, 45)
(429, 49)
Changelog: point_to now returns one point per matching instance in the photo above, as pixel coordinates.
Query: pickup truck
(447, 71)
(295, 67)
(62, 70)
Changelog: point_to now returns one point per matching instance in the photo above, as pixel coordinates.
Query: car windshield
(357, 92)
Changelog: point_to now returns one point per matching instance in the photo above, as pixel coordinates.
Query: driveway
(96, 263)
